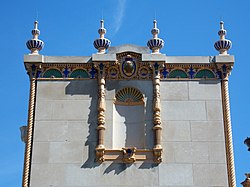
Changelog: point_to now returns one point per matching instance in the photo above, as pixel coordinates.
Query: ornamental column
(101, 44)
(223, 45)
(30, 128)
(228, 131)
(101, 114)
(155, 44)
(34, 45)
(157, 150)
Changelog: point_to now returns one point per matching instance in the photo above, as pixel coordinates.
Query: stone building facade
(129, 117)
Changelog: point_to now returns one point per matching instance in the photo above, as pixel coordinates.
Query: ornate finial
(101, 44)
(35, 45)
(246, 182)
(155, 44)
(247, 142)
(222, 45)
(155, 31)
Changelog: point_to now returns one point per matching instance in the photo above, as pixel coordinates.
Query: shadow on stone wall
(148, 112)
(209, 81)
(89, 88)
(117, 168)
(120, 167)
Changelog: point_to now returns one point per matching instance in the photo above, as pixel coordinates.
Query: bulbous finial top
(35, 32)
(222, 32)
(102, 30)
(101, 44)
(155, 44)
(35, 45)
(222, 45)
(155, 31)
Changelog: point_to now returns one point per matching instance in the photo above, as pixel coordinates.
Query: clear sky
(68, 28)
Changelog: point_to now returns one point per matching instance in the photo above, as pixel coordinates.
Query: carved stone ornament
(128, 66)
(129, 155)
(246, 182)
(100, 155)
(157, 155)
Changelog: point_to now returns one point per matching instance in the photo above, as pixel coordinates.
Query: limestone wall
(65, 136)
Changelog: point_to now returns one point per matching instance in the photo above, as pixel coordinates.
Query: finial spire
(101, 44)
(155, 44)
(102, 30)
(222, 45)
(35, 45)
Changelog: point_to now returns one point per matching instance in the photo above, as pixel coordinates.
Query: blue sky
(68, 28)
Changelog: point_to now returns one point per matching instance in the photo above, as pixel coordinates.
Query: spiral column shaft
(228, 133)
(28, 148)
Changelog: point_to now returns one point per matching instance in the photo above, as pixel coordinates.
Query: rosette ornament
(35, 45)
(101, 44)
(155, 44)
(222, 45)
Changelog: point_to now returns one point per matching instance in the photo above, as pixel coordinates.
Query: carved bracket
(157, 155)
(129, 155)
(100, 155)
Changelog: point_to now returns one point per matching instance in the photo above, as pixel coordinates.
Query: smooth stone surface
(189, 59)
(204, 90)
(214, 110)
(128, 47)
(224, 58)
(174, 90)
(183, 110)
(103, 57)
(176, 131)
(67, 59)
(207, 131)
(212, 174)
(176, 174)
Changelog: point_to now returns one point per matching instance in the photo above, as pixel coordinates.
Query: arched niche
(129, 119)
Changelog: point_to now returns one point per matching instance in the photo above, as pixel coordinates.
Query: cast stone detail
(228, 127)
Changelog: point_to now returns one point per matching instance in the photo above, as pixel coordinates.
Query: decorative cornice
(130, 66)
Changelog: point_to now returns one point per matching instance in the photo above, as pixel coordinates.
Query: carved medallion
(128, 66)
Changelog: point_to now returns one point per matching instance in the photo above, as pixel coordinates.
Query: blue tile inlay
(66, 72)
(191, 72)
(156, 65)
(165, 72)
(92, 72)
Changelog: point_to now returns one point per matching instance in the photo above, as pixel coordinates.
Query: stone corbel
(33, 70)
(100, 154)
(129, 155)
(157, 155)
